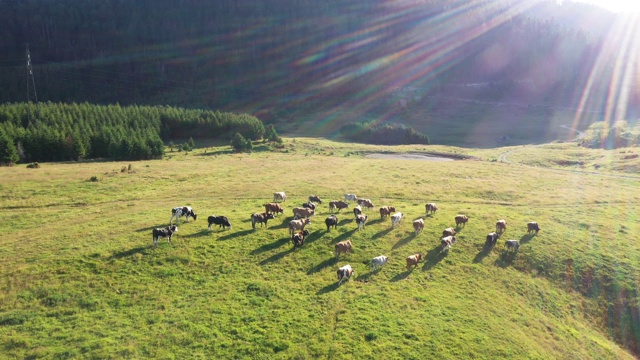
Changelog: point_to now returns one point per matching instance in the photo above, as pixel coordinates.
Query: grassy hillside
(79, 277)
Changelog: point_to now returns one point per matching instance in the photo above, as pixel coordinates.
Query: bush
(239, 143)
(389, 134)
(33, 165)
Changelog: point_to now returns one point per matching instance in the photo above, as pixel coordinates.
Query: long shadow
(276, 257)
(267, 247)
(284, 224)
(404, 241)
(375, 221)
(382, 233)
(526, 238)
(328, 288)
(506, 258)
(204, 232)
(433, 257)
(329, 262)
(236, 234)
(121, 254)
(365, 277)
(344, 221)
(486, 249)
(149, 228)
(401, 276)
(344, 235)
(313, 237)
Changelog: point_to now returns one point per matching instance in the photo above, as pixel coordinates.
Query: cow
(163, 232)
(342, 247)
(298, 238)
(185, 211)
(430, 208)
(395, 219)
(279, 196)
(386, 211)
(413, 260)
(512, 245)
(492, 239)
(337, 204)
(273, 208)
(379, 261)
(298, 225)
(221, 221)
(446, 242)
(361, 220)
(418, 225)
(260, 218)
(315, 198)
(300, 212)
(501, 226)
(365, 203)
(357, 211)
(461, 220)
(309, 205)
(532, 226)
(345, 272)
(350, 197)
(330, 221)
(448, 232)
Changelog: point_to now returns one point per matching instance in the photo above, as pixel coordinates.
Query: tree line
(387, 134)
(59, 132)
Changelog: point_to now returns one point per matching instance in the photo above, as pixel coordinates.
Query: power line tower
(32, 96)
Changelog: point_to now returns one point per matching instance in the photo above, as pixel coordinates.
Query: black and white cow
(162, 233)
(492, 238)
(512, 245)
(185, 211)
(221, 221)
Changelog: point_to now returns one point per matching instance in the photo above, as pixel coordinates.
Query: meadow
(80, 279)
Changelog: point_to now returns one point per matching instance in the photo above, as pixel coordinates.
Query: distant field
(79, 278)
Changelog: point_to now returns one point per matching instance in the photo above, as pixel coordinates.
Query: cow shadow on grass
(506, 258)
(127, 253)
(404, 241)
(433, 258)
(382, 233)
(526, 238)
(276, 257)
(283, 225)
(344, 235)
(201, 233)
(270, 246)
(329, 288)
(329, 262)
(345, 221)
(403, 275)
(486, 250)
(374, 221)
(236, 234)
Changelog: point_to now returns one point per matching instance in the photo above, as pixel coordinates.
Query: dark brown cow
(461, 220)
(315, 199)
(386, 211)
(501, 226)
(365, 203)
(448, 232)
(298, 238)
(431, 208)
(492, 238)
(532, 226)
(261, 218)
(273, 208)
(330, 221)
(337, 204)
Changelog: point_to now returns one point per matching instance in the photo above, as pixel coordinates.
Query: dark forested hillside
(245, 55)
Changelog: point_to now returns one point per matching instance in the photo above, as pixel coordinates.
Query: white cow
(179, 211)
(395, 219)
(345, 272)
(279, 196)
(350, 197)
(379, 261)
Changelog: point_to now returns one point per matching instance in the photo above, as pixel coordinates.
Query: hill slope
(87, 276)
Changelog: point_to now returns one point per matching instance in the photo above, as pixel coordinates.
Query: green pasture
(80, 279)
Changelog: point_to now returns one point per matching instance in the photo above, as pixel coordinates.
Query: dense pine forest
(254, 54)
(59, 132)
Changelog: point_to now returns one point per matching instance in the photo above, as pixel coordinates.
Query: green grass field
(79, 278)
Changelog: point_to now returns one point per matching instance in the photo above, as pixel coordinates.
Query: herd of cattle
(303, 214)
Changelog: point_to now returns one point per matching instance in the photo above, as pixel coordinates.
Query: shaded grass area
(84, 281)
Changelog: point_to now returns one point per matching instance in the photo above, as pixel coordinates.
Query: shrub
(239, 143)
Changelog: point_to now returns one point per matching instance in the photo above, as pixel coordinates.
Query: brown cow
(338, 204)
(315, 198)
(448, 232)
(413, 260)
(342, 247)
(297, 225)
(298, 238)
(461, 220)
(532, 226)
(386, 211)
(273, 208)
(418, 225)
(260, 218)
(299, 212)
(365, 203)
(501, 226)
(431, 208)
